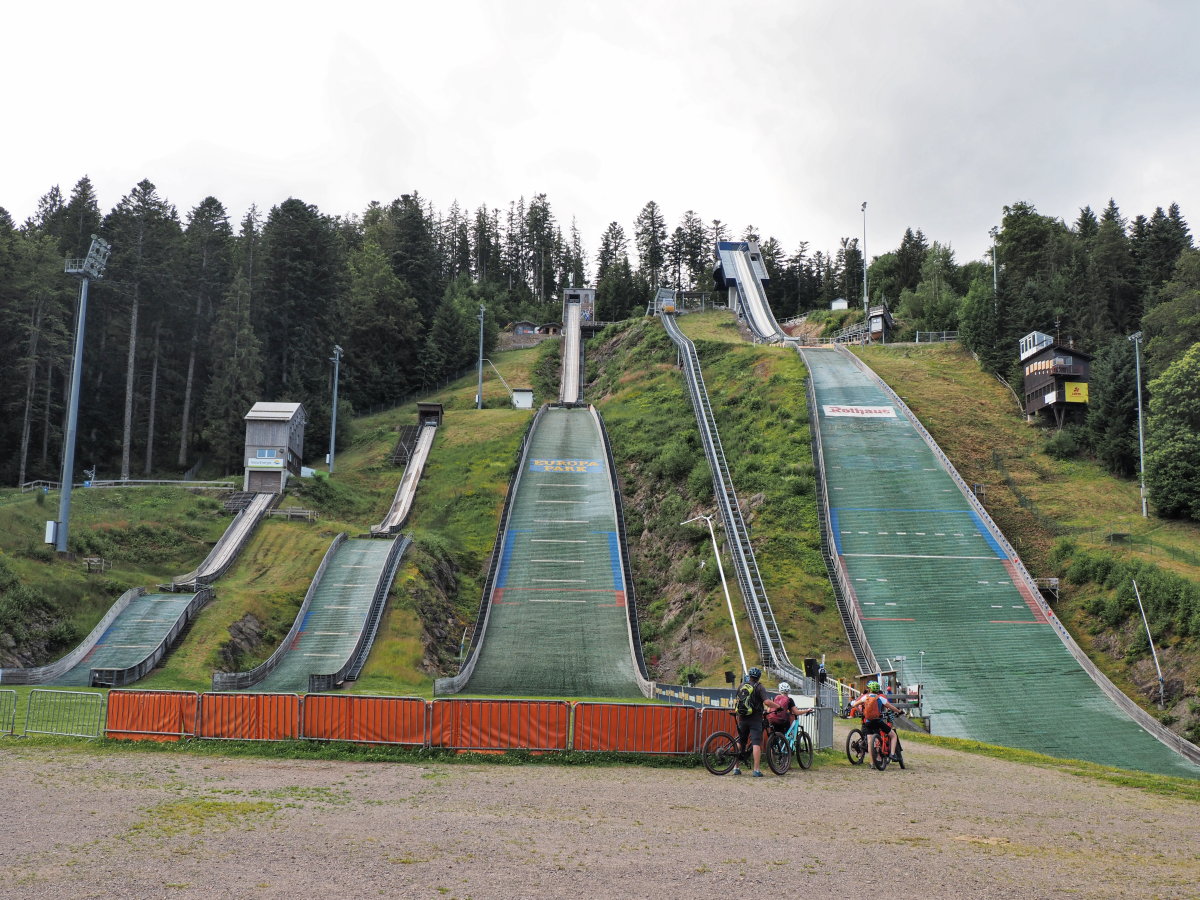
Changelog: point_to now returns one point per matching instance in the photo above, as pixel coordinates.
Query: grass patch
(1168, 785)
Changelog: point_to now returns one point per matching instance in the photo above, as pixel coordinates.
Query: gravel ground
(146, 825)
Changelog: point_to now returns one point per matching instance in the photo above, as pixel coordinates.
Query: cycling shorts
(875, 726)
(750, 727)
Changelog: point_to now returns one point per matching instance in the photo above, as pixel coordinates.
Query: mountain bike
(796, 740)
(721, 753)
(881, 749)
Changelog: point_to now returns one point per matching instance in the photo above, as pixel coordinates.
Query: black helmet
(755, 673)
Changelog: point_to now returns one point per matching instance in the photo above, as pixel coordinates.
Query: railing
(758, 607)
(362, 648)
(132, 482)
(120, 677)
(8, 712)
(50, 673)
(240, 681)
(456, 683)
(635, 635)
(67, 713)
(1139, 715)
(933, 337)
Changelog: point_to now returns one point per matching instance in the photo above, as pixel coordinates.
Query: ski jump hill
(927, 574)
(558, 616)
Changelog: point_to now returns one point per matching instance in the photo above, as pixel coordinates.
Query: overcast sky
(782, 115)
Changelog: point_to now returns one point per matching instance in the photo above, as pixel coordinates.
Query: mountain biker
(874, 707)
(750, 728)
(785, 712)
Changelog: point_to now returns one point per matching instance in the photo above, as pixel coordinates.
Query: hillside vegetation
(1068, 518)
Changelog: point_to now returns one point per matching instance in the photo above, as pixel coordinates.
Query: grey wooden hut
(274, 445)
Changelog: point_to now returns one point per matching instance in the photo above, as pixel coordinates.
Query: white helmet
(784, 687)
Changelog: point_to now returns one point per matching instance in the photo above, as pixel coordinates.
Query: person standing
(752, 704)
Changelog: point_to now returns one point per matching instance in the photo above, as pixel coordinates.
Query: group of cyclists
(778, 713)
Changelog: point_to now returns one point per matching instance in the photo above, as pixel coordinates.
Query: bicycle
(879, 748)
(797, 740)
(722, 752)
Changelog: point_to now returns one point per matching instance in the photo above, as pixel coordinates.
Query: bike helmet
(872, 686)
(755, 672)
(784, 687)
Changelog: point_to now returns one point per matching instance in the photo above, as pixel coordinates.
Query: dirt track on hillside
(150, 825)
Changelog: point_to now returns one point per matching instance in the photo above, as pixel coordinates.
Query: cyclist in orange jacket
(873, 704)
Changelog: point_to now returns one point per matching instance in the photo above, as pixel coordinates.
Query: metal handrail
(239, 681)
(1181, 746)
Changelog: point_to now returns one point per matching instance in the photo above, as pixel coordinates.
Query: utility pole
(866, 302)
(1136, 338)
(91, 266)
(995, 232)
(1162, 691)
(336, 360)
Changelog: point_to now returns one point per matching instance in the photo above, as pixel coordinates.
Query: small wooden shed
(274, 445)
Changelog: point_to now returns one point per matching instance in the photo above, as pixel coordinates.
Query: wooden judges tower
(1056, 378)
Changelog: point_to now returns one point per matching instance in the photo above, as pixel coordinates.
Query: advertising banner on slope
(861, 412)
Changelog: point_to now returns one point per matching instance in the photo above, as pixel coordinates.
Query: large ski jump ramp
(556, 622)
(932, 581)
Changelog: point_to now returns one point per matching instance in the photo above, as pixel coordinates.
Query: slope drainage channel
(933, 585)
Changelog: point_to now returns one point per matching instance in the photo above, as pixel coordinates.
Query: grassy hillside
(1067, 518)
(757, 395)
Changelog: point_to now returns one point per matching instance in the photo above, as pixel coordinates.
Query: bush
(1064, 443)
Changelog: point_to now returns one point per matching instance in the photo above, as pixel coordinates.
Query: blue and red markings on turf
(614, 560)
(984, 532)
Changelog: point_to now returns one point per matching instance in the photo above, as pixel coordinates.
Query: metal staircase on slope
(762, 619)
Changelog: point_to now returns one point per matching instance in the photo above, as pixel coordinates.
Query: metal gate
(8, 712)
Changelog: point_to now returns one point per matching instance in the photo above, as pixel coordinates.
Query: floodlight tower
(91, 266)
(866, 303)
(1136, 338)
(336, 359)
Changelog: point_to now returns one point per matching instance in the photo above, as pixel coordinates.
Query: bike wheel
(899, 754)
(804, 750)
(879, 759)
(779, 755)
(856, 748)
(720, 753)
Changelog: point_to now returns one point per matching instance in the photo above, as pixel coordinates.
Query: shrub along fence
(453, 724)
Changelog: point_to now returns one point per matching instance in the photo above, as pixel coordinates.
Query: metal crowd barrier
(68, 713)
(8, 712)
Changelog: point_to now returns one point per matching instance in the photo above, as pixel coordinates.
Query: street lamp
(724, 584)
(91, 266)
(479, 390)
(336, 360)
(866, 310)
(1136, 338)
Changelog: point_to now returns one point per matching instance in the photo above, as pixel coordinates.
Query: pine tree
(236, 383)
(650, 236)
(1112, 407)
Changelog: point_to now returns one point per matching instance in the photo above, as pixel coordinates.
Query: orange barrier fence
(250, 717)
(456, 724)
(151, 715)
(499, 724)
(714, 720)
(366, 720)
(635, 728)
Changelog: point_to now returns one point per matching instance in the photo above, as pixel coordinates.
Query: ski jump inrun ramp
(933, 582)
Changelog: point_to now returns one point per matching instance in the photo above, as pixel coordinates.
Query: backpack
(747, 701)
(872, 707)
